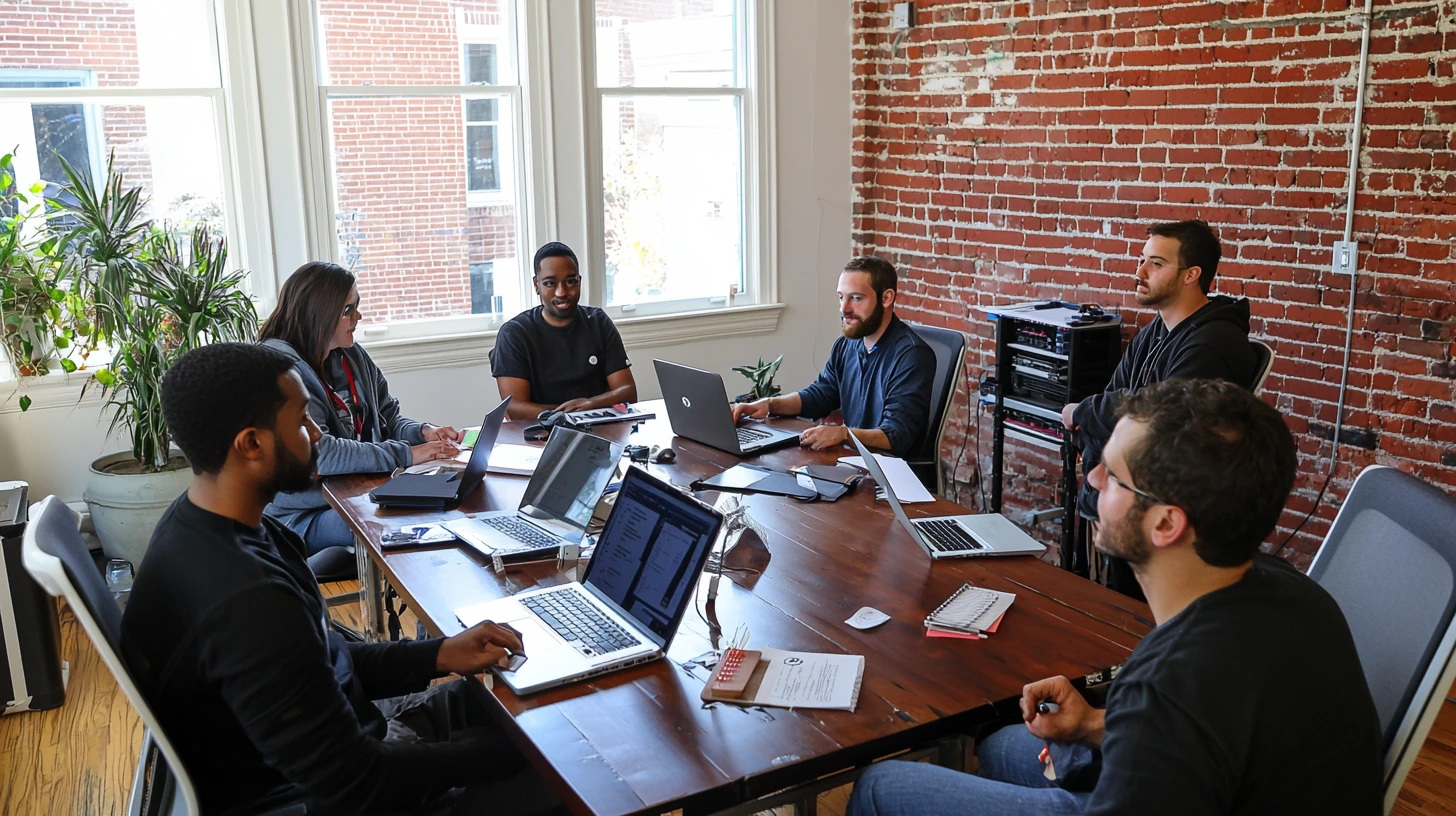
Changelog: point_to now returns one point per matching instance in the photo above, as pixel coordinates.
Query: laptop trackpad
(548, 656)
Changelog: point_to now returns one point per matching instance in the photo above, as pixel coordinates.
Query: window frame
(757, 149)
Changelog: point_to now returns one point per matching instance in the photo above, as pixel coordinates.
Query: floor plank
(79, 758)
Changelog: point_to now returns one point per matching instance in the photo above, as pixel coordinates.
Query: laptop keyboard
(947, 536)
(750, 435)
(586, 629)
(522, 532)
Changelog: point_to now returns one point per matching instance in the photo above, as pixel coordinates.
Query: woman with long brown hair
(317, 314)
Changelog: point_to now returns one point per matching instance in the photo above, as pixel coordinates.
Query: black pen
(1047, 707)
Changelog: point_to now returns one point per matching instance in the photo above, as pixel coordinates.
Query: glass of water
(118, 579)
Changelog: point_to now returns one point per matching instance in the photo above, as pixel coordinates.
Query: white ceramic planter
(125, 508)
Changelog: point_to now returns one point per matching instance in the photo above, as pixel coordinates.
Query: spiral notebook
(971, 610)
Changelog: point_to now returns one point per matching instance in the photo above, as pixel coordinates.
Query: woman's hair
(308, 310)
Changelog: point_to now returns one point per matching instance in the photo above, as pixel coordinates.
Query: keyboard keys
(521, 531)
(579, 623)
(747, 435)
(947, 536)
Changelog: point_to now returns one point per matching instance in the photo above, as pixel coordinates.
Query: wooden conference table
(641, 740)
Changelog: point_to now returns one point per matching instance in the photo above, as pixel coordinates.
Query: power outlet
(902, 16)
(1346, 259)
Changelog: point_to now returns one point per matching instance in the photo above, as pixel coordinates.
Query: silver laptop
(954, 536)
(628, 606)
(565, 487)
(697, 407)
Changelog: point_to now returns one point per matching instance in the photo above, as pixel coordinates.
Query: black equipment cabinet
(1042, 363)
(32, 677)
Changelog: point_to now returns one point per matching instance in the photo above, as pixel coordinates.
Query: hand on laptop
(824, 436)
(431, 451)
(478, 648)
(758, 409)
(436, 433)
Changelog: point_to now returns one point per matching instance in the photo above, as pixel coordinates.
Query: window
(420, 116)
(675, 108)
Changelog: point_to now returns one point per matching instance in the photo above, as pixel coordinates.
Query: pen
(1047, 707)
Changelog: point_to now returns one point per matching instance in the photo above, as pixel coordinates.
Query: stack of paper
(907, 486)
(971, 613)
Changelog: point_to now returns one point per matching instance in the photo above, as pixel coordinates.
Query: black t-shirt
(1249, 701)
(225, 634)
(561, 363)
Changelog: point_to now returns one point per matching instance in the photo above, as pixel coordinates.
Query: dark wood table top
(642, 740)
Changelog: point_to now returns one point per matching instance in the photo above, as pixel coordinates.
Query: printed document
(907, 486)
(810, 680)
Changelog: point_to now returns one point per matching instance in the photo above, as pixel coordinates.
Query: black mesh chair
(950, 358)
(1389, 561)
(1265, 356)
(56, 557)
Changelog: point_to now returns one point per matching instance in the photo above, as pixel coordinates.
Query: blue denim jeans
(321, 529)
(1011, 782)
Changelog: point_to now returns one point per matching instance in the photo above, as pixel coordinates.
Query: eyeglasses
(1125, 486)
(351, 308)
(570, 283)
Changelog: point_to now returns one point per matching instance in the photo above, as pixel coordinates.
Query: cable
(1307, 516)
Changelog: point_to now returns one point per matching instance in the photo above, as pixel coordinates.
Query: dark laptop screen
(652, 550)
(570, 478)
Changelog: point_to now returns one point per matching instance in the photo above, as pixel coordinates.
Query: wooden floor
(79, 758)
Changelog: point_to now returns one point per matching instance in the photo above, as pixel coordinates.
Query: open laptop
(629, 603)
(954, 536)
(697, 407)
(565, 487)
(440, 490)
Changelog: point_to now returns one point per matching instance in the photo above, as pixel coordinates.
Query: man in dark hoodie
(1194, 337)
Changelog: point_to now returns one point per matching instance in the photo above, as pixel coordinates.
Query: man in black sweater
(1248, 697)
(228, 637)
(1194, 336)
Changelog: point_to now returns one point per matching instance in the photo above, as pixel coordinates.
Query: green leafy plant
(153, 296)
(762, 376)
(44, 321)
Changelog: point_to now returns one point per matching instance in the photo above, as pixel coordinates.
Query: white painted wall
(51, 445)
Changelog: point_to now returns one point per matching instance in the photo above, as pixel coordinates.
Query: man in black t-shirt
(1248, 697)
(560, 355)
(228, 638)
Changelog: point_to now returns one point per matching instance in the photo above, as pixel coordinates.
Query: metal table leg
(371, 593)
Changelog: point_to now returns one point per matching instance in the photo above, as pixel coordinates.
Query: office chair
(1389, 561)
(1264, 356)
(950, 357)
(56, 557)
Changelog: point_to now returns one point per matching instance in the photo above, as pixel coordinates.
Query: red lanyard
(357, 412)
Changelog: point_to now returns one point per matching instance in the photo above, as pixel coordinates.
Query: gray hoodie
(339, 453)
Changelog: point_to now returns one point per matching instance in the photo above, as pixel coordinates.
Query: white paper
(517, 460)
(867, 617)
(810, 680)
(907, 486)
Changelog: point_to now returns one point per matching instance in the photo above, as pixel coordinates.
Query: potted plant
(43, 321)
(762, 376)
(151, 295)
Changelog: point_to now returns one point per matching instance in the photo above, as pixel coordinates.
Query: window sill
(473, 348)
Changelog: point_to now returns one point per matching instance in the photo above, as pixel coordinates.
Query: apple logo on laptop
(686, 403)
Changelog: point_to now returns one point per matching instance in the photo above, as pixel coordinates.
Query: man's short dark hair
(212, 393)
(555, 249)
(1218, 452)
(881, 272)
(1197, 246)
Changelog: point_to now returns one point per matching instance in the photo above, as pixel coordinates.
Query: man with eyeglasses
(560, 355)
(1194, 336)
(1247, 698)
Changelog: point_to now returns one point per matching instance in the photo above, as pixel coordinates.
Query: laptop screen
(480, 455)
(652, 551)
(569, 479)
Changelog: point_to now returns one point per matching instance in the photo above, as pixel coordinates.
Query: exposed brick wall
(91, 35)
(1014, 150)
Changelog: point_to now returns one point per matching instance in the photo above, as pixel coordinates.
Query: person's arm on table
(777, 405)
(392, 669)
(519, 391)
(621, 387)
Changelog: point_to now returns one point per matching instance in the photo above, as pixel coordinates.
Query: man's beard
(1124, 538)
(868, 326)
(293, 475)
(1154, 297)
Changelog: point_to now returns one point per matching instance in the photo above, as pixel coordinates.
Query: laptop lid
(697, 405)
(650, 554)
(873, 466)
(480, 454)
(569, 479)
